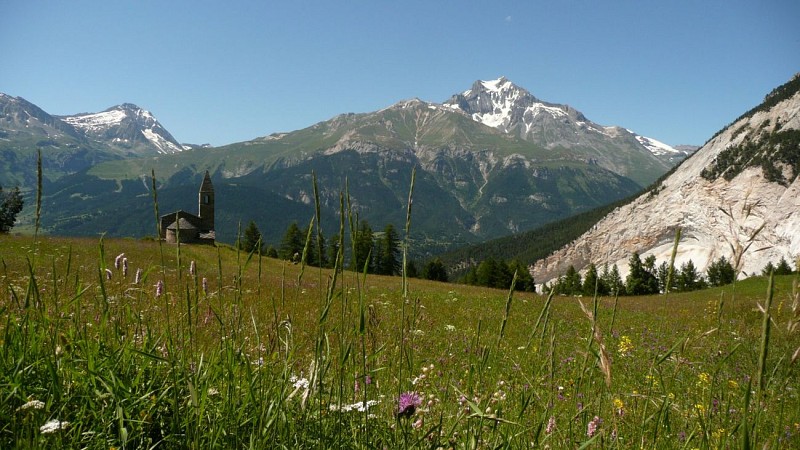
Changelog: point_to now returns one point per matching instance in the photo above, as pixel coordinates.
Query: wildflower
(213, 392)
(32, 404)
(52, 426)
(450, 328)
(625, 346)
(407, 404)
(619, 407)
(118, 260)
(299, 383)
(138, 276)
(701, 408)
(192, 268)
(159, 288)
(591, 429)
(703, 379)
(733, 384)
(124, 267)
(418, 424)
(551, 425)
(108, 274)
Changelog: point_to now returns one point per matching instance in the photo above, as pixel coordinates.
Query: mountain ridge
(747, 217)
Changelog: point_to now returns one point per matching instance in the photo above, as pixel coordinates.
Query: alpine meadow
(124, 343)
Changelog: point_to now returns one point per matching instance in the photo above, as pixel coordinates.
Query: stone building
(186, 227)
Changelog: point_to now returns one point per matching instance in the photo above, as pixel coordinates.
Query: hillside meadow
(121, 343)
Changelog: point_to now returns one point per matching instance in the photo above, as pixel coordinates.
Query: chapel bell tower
(206, 198)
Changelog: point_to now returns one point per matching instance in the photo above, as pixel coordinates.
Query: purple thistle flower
(407, 404)
(118, 260)
(159, 288)
(124, 267)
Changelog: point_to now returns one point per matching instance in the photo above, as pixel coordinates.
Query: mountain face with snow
(737, 197)
(503, 105)
(127, 128)
(69, 144)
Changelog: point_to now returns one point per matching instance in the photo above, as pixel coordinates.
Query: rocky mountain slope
(738, 197)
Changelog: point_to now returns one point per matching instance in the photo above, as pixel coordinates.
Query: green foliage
(387, 252)
(772, 152)
(592, 281)
(641, 279)
(612, 280)
(435, 270)
(689, 279)
(783, 267)
(570, 283)
(363, 242)
(525, 281)
(292, 243)
(251, 240)
(11, 204)
(720, 272)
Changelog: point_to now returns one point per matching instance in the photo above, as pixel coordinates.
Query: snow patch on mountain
(97, 121)
(657, 148)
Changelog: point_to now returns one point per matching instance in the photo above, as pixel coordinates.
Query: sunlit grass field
(209, 347)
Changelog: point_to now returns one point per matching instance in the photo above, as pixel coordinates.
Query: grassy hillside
(211, 348)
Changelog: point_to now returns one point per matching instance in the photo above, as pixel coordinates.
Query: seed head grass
(237, 350)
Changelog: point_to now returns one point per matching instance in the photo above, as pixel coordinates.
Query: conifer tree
(292, 243)
(720, 272)
(10, 205)
(435, 270)
(252, 238)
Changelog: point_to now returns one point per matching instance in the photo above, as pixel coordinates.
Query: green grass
(224, 368)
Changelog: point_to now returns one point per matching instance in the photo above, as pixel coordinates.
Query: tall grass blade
(765, 330)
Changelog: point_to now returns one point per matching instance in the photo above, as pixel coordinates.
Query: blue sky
(222, 72)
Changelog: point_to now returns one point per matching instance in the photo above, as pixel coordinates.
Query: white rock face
(748, 219)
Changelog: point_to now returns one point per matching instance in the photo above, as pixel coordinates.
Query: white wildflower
(33, 404)
(53, 425)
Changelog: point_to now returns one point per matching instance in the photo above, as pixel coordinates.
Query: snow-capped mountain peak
(128, 126)
(501, 104)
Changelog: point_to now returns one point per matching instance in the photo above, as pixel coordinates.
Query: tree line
(376, 252)
(646, 278)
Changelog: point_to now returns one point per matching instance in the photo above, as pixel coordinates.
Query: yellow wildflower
(703, 380)
(625, 346)
(733, 384)
(619, 407)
